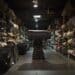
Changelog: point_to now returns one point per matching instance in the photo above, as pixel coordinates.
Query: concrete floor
(53, 61)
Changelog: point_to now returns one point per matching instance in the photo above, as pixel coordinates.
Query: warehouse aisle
(27, 58)
(53, 61)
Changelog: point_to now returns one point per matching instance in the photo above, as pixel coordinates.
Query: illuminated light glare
(35, 5)
(36, 16)
(36, 20)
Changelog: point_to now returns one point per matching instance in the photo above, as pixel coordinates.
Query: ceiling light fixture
(35, 5)
(36, 16)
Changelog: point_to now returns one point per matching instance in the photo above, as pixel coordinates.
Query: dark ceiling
(24, 10)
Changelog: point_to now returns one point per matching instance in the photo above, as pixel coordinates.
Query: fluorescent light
(36, 16)
(35, 5)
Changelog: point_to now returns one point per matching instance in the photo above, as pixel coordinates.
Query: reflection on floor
(53, 61)
(54, 57)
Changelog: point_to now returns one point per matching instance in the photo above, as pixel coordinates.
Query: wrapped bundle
(63, 26)
(70, 33)
(70, 41)
(64, 43)
(64, 34)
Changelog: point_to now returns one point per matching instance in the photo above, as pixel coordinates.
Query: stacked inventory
(65, 38)
(8, 34)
